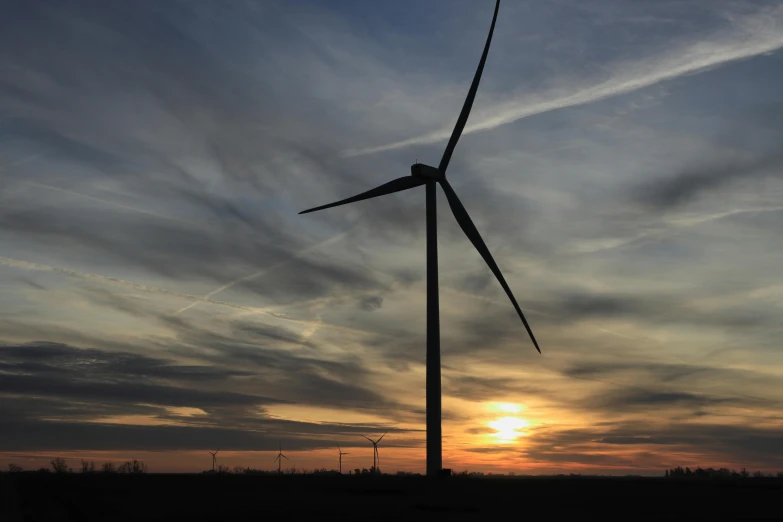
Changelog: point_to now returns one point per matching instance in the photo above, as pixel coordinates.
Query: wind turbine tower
(279, 459)
(431, 177)
(214, 458)
(341, 458)
(376, 459)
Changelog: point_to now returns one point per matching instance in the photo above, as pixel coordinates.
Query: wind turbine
(279, 459)
(341, 458)
(429, 176)
(376, 459)
(214, 458)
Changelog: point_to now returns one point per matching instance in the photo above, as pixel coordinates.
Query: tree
(13, 468)
(108, 467)
(59, 465)
(666, 473)
(758, 474)
(133, 466)
(744, 473)
(88, 467)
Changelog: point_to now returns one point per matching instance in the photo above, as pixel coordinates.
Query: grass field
(39, 497)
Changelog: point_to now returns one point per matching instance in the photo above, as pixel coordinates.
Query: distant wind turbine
(214, 458)
(279, 459)
(426, 175)
(341, 458)
(376, 459)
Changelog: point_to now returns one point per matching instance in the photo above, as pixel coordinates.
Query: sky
(160, 296)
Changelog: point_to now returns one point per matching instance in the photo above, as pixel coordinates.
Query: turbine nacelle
(420, 170)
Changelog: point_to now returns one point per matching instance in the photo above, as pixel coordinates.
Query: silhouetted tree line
(239, 470)
(59, 465)
(721, 473)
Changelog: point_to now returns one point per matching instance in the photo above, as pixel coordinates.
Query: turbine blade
(404, 183)
(286, 458)
(470, 230)
(463, 116)
(368, 438)
(382, 436)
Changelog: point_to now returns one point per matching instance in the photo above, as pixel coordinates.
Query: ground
(42, 497)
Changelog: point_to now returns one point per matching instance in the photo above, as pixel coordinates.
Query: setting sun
(508, 428)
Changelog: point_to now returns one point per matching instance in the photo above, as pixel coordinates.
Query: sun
(508, 429)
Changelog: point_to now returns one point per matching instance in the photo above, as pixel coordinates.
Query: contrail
(110, 203)
(26, 265)
(752, 36)
(24, 160)
(674, 225)
(195, 299)
(704, 218)
(263, 271)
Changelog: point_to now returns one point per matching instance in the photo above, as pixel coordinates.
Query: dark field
(290, 497)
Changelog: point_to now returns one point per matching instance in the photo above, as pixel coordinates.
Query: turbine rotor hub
(420, 170)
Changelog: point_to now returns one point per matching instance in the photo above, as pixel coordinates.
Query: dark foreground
(33, 496)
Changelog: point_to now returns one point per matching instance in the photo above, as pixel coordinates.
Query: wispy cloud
(748, 36)
(266, 270)
(26, 265)
(24, 160)
(108, 202)
(177, 168)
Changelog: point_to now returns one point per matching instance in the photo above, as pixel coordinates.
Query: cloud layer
(160, 291)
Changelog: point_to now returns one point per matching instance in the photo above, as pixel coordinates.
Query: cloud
(82, 396)
(710, 176)
(481, 389)
(82, 375)
(637, 400)
(170, 171)
(695, 444)
(371, 303)
(747, 36)
(654, 308)
(91, 375)
(155, 290)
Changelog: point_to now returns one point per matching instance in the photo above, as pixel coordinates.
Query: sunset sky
(160, 296)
